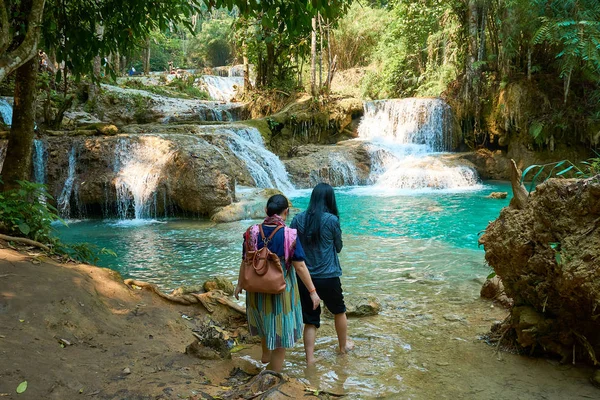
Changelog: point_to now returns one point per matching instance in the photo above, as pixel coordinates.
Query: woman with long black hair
(321, 238)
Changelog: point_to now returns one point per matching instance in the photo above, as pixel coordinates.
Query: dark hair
(322, 200)
(276, 204)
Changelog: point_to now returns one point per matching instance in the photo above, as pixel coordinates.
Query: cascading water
(6, 112)
(406, 137)
(222, 88)
(139, 168)
(64, 200)
(266, 168)
(39, 161)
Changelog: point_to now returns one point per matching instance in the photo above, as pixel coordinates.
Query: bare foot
(349, 346)
(266, 357)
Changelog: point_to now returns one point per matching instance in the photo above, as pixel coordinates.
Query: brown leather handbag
(262, 272)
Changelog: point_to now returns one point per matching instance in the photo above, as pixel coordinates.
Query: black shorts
(330, 291)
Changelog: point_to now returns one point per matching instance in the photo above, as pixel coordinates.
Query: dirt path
(76, 331)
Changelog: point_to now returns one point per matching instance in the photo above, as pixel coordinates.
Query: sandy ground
(76, 331)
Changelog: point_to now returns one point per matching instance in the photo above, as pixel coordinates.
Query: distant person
(277, 318)
(321, 238)
(43, 60)
(131, 71)
(171, 71)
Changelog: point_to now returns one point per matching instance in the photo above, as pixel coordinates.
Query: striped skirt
(276, 317)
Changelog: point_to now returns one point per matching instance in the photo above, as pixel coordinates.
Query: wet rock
(344, 164)
(493, 289)
(79, 118)
(219, 283)
(454, 318)
(362, 306)
(358, 306)
(250, 204)
(497, 195)
(547, 255)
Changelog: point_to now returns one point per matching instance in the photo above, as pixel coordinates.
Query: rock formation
(547, 253)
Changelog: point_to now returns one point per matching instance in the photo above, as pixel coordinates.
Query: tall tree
(68, 29)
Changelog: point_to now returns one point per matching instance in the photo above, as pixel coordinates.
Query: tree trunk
(247, 84)
(147, 57)
(27, 49)
(320, 52)
(17, 165)
(472, 51)
(313, 58)
(529, 63)
(567, 85)
(270, 67)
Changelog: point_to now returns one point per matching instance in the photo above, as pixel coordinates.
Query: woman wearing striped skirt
(277, 318)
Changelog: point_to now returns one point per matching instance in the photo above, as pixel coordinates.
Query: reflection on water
(417, 252)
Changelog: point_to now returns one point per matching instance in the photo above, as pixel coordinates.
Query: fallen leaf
(22, 387)
(21, 320)
(235, 349)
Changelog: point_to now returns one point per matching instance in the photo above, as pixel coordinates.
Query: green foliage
(76, 31)
(417, 53)
(213, 46)
(355, 39)
(84, 252)
(584, 169)
(25, 212)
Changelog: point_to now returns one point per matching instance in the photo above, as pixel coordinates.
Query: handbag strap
(262, 234)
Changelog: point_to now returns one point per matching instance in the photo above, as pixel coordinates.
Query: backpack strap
(262, 234)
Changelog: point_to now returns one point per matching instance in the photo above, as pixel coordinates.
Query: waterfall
(222, 88)
(64, 200)
(339, 171)
(40, 157)
(6, 112)
(139, 168)
(405, 140)
(266, 168)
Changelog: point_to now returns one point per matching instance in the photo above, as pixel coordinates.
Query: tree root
(24, 241)
(208, 300)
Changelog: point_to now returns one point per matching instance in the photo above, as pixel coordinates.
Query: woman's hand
(238, 290)
(316, 300)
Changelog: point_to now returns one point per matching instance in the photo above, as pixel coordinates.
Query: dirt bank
(548, 256)
(76, 331)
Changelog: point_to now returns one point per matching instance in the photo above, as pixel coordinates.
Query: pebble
(126, 371)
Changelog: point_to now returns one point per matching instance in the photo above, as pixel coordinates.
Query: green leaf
(557, 257)
(24, 228)
(532, 185)
(490, 276)
(22, 387)
(527, 170)
(565, 170)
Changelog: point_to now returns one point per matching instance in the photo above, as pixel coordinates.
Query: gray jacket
(322, 260)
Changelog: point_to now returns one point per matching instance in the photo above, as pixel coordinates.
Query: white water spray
(39, 161)
(222, 88)
(406, 137)
(266, 168)
(139, 167)
(6, 112)
(64, 200)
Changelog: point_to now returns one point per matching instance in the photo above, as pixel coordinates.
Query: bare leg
(266, 353)
(310, 335)
(277, 358)
(341, 328)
